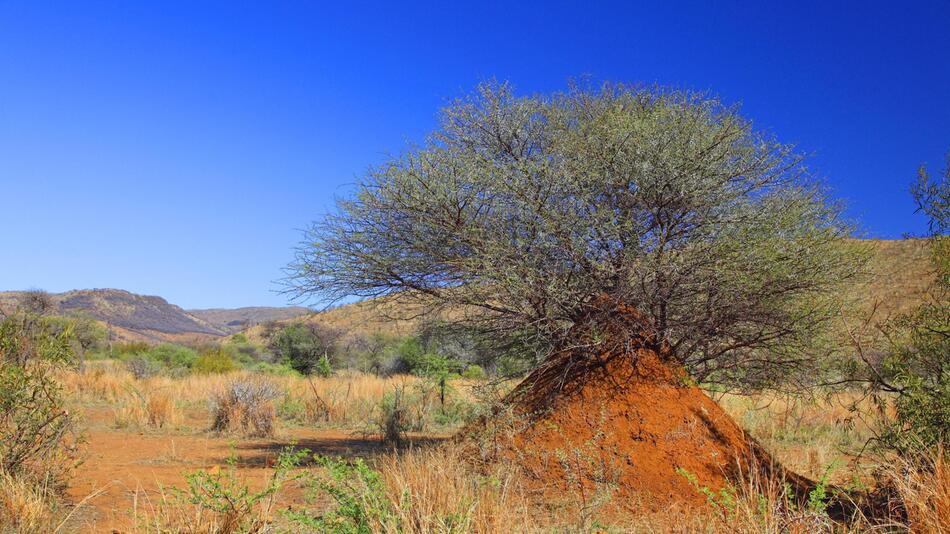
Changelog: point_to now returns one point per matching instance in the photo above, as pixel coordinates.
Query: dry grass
(245, 406)
(171, 511)
(147, 409)
(924, 486)
(807, 434)
(27, 507)
(347, 400)
(433, 490)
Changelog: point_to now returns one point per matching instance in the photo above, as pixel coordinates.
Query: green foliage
(521, 213)
(301, 345)
(278, 369)
(724, 500)
(420, 361)
(818, 497)
(214, 361)
(144, 361)
(358, 493)
(121, 350)
(914, 376)
(323, 367)
(473, 372)
(172, 356)
(236, 506)
(33, 420)
(88, 336)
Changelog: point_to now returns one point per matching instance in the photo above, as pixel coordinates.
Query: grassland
(157, 457)
(145, 437)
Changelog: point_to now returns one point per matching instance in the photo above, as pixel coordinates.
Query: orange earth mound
(611, 416)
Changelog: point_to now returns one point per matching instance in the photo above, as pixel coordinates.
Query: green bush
(302, 345)
(915, 373)
(473, 372)
(34, 422)
(223, 502)
(323, 367)
(359, 494)
(172, 356)
(215, 360)
(144, 361)
(119, 350)
(416, 359)
(279, 369)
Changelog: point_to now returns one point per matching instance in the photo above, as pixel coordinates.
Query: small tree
(36, 302)
(914, 374)
(520, 213)
(34, 423)
(87, 333)
(302, 345)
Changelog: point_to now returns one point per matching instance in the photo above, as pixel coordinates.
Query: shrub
(218, 501)
(473, 372)
(132, 347)
(359, 494)
(278, 369)
(215, 360)
(323, 367)
(35, 426)
(915, 373)
(172, 356)
(245, 406)
(302, 345)
(393, 420)
(142, 367)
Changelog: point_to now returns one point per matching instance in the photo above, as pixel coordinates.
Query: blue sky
(175, 148)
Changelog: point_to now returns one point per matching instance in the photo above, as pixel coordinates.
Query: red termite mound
(614, 415)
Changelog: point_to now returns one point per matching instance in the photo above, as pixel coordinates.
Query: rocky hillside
(237, 319)
(128, 316)
(899, 277)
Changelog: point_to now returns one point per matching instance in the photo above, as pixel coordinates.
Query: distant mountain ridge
(237, 319)
(900, 277)
(131, 316)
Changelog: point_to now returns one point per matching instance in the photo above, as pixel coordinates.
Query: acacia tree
(518, 212)
(911, 382)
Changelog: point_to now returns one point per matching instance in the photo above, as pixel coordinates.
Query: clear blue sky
(174, 148)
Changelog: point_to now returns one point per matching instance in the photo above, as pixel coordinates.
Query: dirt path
(123, 474)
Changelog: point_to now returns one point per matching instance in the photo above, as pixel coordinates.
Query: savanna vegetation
(508, 241)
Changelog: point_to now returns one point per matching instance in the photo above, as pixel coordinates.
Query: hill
(129, 316)
(237, 319)
(899, 276)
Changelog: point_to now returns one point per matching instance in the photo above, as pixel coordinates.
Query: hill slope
(128, 315)
(237, 319)
(899, 276)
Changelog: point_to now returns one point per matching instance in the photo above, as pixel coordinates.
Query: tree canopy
(519, 211)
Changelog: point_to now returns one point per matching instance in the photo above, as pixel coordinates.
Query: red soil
(126, 474)
(612, 416)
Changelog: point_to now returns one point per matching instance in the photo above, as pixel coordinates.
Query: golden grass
(924, 487)
(27, 507)
(349, 400)
(431, 489)
(807, 434)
